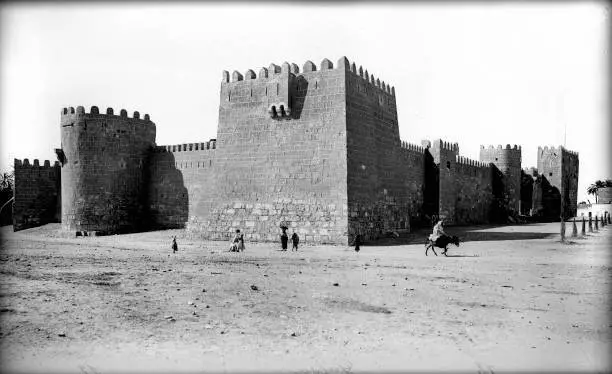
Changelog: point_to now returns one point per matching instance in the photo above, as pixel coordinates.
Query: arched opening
(282, 111)
(273, 112)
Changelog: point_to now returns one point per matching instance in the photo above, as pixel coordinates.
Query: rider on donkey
(438, 231)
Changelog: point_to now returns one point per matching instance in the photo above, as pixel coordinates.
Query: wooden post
(583, 232)
(574, 229)
(562, 229)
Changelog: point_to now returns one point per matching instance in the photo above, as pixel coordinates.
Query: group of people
(295, 239)
(237, 243)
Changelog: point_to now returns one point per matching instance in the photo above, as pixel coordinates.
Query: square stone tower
(560, 166)
(313, 150)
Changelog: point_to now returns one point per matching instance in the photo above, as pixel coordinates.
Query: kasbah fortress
(318, 151)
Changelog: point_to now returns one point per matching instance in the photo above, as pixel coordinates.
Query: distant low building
(604, 204)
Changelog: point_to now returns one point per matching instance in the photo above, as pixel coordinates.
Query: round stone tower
(508, 161)
(104, 158)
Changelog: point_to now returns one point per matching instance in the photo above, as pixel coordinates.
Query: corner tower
(103, 170)
(281, 156)
(560, 167)
(508, 161)
(381, 197)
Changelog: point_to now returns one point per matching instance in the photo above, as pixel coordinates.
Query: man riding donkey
(438, 231)
(440, 239)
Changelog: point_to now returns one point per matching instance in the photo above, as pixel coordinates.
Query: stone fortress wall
(37, 194)
(317, 150)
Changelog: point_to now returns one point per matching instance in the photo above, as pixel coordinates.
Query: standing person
(296, 240)
(235, 244)
(241, 242)
(174, 245)
(284, 238)
(357, 242)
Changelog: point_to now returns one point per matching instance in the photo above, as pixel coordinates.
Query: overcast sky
(470, 73)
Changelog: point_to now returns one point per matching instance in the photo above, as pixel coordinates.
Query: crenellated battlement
(412, 147)
(499, 155)
(500, 147)
(308, 67)
(69, 114)
(360, 72)
(188, 147)
(35, 165)
(464, 161)
(441, 144)
(472, 168)
(273, 69)
(553, 149)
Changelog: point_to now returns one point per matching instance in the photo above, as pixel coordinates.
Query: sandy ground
(509, 298)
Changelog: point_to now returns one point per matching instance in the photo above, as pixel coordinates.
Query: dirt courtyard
(509, 298)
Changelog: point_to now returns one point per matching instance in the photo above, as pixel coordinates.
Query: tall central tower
(314, 150)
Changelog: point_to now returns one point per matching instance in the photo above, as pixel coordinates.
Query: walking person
(241, 246)
(174, 245)
(296, 240)
(357, 242)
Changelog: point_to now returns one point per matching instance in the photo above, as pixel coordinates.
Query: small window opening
(550, 174)
(448, 164)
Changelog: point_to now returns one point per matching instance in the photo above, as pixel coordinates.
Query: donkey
(441, 242)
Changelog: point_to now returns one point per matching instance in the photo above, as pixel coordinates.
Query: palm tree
(593, 188)
(7, 181)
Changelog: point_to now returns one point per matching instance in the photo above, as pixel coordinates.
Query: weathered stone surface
(103, 173)
(560, 168)
(37, 194)
(317, 151)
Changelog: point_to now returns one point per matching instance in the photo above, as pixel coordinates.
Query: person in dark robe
(357, 242)
(284, 238)
(174, 245)
(296, 240)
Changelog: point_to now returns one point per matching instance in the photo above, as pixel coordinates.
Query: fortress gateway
(318, 150)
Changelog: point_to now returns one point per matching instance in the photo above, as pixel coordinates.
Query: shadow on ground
(465, 234)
